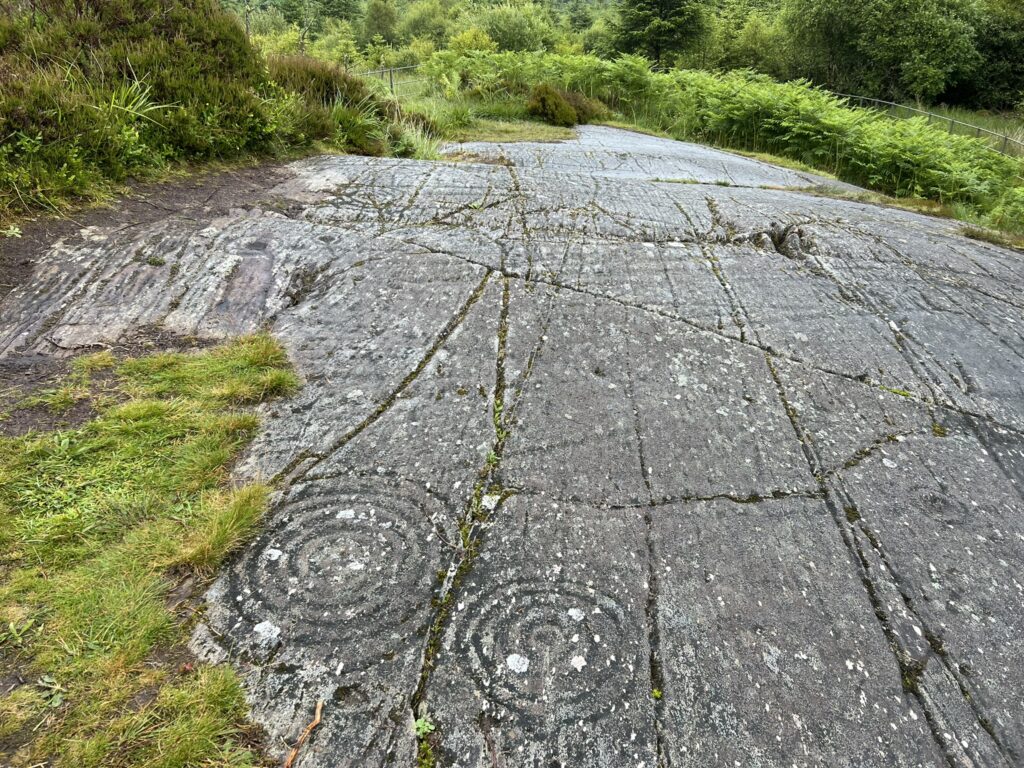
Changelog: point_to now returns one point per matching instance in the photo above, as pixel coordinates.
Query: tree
(660, 29)
(889, 48)
(921, 46)
(822, 37)
(295, 10)
(380, 20)
(757, 45)
(998, 81)
(336, 43)
(600, 39)
(425, 19)
(472, 39)
(579, 15)
(523, 27)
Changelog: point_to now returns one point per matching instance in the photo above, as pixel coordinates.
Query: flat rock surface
(611, 452)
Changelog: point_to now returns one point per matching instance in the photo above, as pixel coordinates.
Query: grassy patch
(783, 162)
(994, 237)
(504, 131)
(478, 119)
(914, 204)
(94, 94)
(103, 524)
(619, 122)
(1005, 123)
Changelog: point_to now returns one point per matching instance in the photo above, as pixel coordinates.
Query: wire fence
(999, 142)
(388, 75)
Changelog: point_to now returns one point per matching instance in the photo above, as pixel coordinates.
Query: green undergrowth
(108, 528)
(94, 94)
(479, 119)
(750, 112)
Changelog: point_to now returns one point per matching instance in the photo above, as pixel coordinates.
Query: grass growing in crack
(895, 391)
(783, 162)
(425, 755)
(99, 523)
(424, 727)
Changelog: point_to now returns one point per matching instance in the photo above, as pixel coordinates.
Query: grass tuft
(98, 523)
(226, 521)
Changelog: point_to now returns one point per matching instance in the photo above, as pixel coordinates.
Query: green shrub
(95, 92)
(472, 39)
(1008, 213)
(317, 81)
(360, 131)
(551, 106)
(436, 117)
(521, 26)
(587, 110)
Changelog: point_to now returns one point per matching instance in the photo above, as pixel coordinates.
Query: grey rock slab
(846, 419)
(356, 346)
(231, 276)
(543, 386)
(643, 407)
(333, 602)
(793, 308)
(956, 323)
(545, 659)
(350, 192)
(709, 418)
(677, 278)
(438, 432)
(769, 650)
(943, 519)
(618, 154)
(598, 207)
(749, 209)
(574, 433)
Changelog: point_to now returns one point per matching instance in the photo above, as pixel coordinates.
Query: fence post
(391, 80)
(1006, 141)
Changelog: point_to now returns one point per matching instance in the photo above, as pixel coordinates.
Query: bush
(472, 39)
(517, 27)
(92, 93)
(587, 110)
(316, 81)
(551, 106)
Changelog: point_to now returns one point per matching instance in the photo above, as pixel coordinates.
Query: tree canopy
(967, 52)
(660, 29)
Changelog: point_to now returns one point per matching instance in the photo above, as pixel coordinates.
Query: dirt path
(593, 468)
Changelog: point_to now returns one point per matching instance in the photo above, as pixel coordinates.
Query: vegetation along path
(617, 451)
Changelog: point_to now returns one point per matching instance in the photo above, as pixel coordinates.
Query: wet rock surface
(592, 468)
